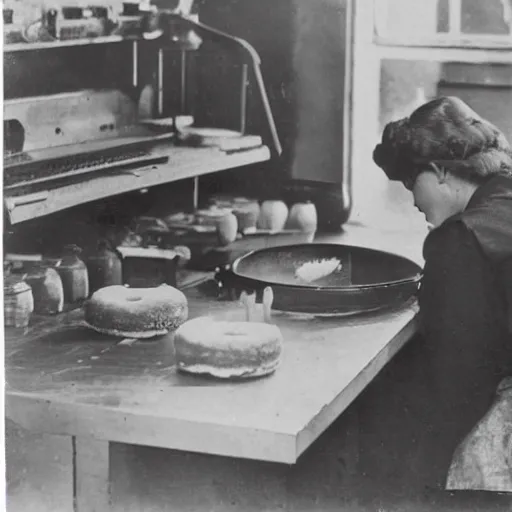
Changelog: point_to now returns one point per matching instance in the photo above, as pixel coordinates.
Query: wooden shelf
(468, 41)
(48, 45)
(183, 163)
(24, 47)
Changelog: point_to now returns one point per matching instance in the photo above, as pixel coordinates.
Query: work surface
(67, 380)
(63, 378)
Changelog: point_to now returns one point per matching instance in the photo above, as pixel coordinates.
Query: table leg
(352, 440)
(91, 475)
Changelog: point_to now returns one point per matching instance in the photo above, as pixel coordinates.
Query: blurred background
(410, 51)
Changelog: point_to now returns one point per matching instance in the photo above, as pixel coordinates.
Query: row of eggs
(243, 215)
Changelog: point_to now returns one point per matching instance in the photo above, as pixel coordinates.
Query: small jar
(73, 272)
(273, 215)
(18, 301)
(222, 221)
(104, 268)
(47, 289)
(247, 212)
(222, 201)
(227, 229)
(303, 216)
(211, 216)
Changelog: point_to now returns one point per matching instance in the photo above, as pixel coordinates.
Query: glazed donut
(227, 349)
(136, 312)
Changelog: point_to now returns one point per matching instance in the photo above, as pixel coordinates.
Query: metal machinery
(93, 103)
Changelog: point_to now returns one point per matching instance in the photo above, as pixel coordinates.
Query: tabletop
(63, 378)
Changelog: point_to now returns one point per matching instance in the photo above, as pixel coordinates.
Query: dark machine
(78, 102)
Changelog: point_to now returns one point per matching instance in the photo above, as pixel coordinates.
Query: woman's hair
(448, 133)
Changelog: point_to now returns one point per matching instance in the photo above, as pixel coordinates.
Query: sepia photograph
(257, 256)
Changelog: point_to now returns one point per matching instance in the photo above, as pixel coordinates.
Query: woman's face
(432, 197)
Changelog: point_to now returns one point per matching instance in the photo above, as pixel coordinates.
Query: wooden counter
(68, 380)
(63, 379)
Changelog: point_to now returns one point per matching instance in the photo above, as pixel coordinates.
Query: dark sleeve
(459, 310)
(461, 348)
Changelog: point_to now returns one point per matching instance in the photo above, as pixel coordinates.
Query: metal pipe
(183, 85)
(196, 193)
(268, 110)
(243, 100)
(135, 64)
(160, 79)
(251, 55)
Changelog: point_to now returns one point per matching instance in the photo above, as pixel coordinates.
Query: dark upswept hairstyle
(448, 133)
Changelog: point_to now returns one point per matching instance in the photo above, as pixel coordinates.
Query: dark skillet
(367, 281)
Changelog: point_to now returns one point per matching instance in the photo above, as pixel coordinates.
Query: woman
(458, 167)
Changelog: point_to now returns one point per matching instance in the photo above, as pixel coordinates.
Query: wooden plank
(37, 470)
(23, 47)
(457, 74)
(147, 428)
(183, 163)
(91, 474)
(439, 53)
(343, 400)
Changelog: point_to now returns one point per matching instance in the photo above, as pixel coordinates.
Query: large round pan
(368, 279)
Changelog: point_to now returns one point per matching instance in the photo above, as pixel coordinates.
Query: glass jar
(73, 272)
(104, 267)
(247, 212)
(47, 288)
(18, 301)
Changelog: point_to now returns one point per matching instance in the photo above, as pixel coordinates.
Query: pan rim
(386, 284)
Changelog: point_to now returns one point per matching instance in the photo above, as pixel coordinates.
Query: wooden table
(63, 379)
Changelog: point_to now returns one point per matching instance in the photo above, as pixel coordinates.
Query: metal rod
(160, 79)
(183, 85)
(249, 53)
(196, 193)
(243, 100)
(135, 54)
(267, 109)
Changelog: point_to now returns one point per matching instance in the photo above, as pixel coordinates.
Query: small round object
(18, 301)
(303, 216)
(136, 313)
(47, 289)
(228, 349)
(273, 215)
(247, 212)
(222, 201)
(210, 216)
(227, 229)
(179, 218)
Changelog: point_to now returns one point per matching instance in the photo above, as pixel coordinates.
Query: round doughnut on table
(136, 312)
(227, 349)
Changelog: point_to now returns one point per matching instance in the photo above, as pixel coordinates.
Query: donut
(136, 312)
(227, 349)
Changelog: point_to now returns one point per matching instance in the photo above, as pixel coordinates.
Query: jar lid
(244, 200)
(15, 284)
(36, 270)
(213, 212)
(221, 198)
